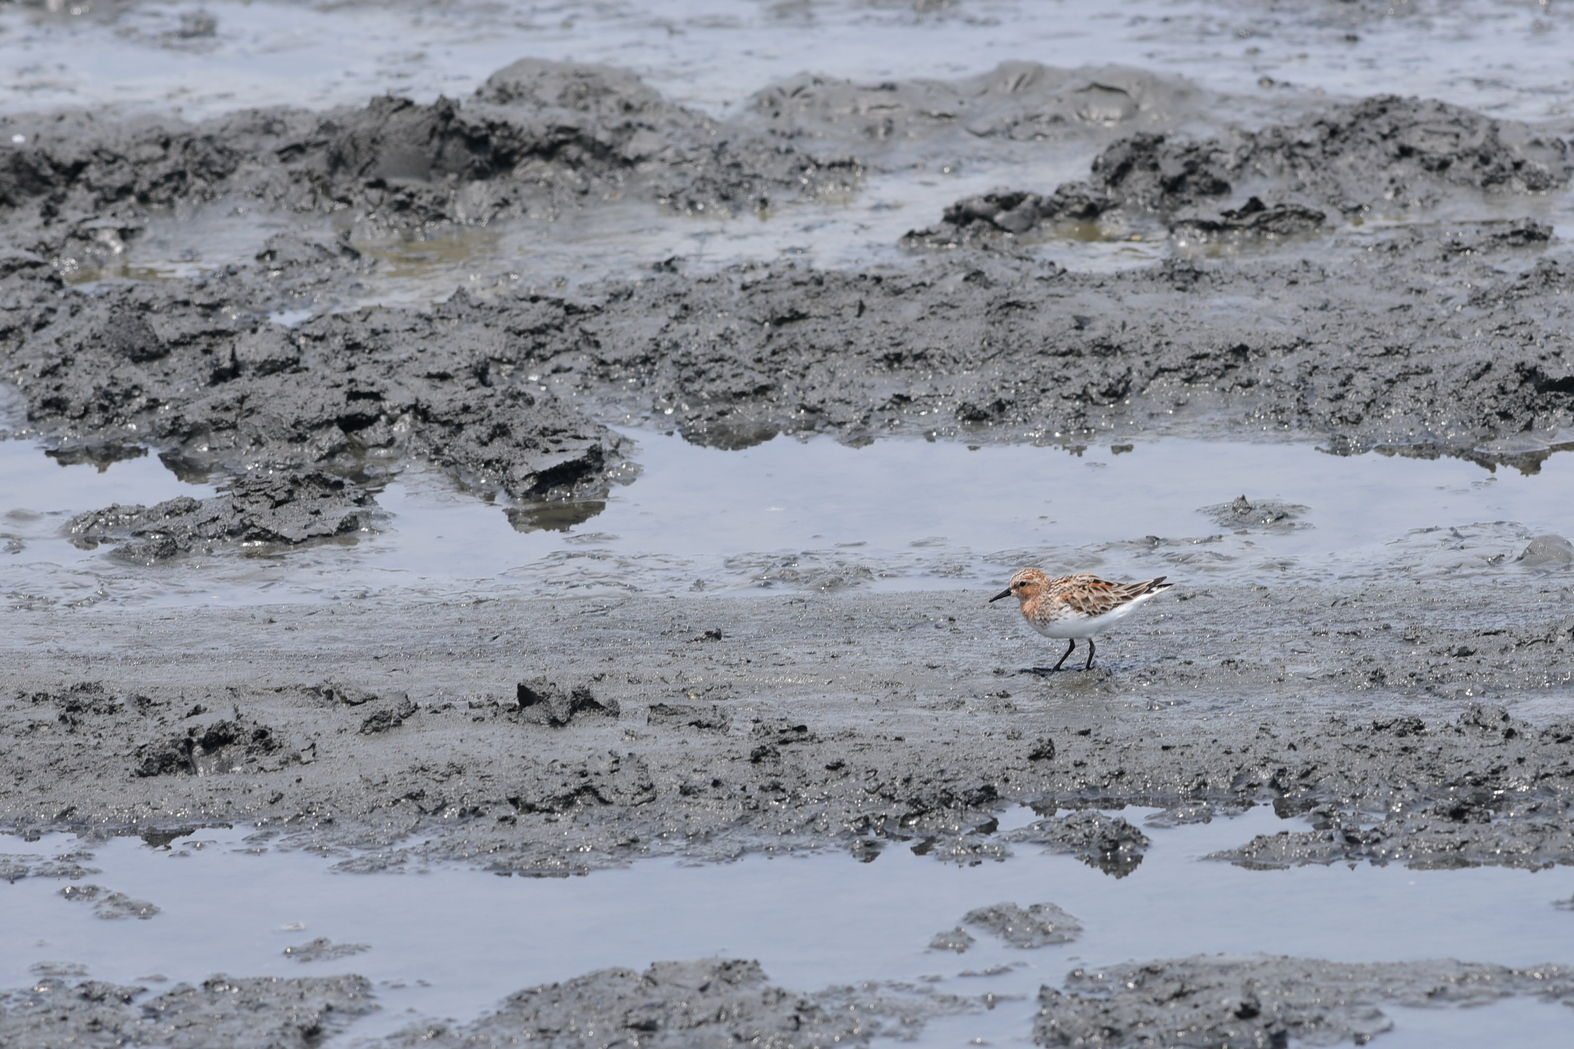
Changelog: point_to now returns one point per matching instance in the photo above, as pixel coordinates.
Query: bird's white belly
(1084, 626)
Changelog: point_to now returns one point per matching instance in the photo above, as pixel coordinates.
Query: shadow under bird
(1075, 606)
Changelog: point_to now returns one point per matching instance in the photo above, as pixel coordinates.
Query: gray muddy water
(817, 514)
(1506, 58)
(450, 942)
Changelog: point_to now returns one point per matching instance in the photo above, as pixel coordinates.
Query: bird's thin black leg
(1067, 652)
(1089, 664)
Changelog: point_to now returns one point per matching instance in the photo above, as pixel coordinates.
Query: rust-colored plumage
(1075, 606)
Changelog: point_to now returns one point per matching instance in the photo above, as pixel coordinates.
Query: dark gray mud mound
(685, 160)
(69, 866)
(256, 1013)
(213, 746)
(323, 949)
(1024, 350)
(1255, 1001)
(282, 510)
(109, 904)
(1458, 829)
(543, 701)
(537, 137)
(339, 395)
(1038, 925)
(706, 1004)
(1379, 155)
(1106, 843)
(1264, 515)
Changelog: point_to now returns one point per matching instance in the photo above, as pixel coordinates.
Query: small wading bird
(1075, 606)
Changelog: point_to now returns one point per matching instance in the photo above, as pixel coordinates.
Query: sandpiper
(1075, 606)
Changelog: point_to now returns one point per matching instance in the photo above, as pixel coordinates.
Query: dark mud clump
(1106, 843)
(1264, 515)
(388, 718)
(1038, 925)
(70, 866)
(671, 1005)
(280, 510)
(955, 939)
(216, 746)
(1377, 154)
(1382, 154)
(545, 701)
(108, 903)
(1024, 348)
(256, 1013)
(1267, 1001)
(323, 950)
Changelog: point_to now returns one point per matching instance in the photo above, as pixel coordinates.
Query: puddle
(194, 242)
(452, 942)
(803, 514)
(1507, 59)
(43, 493)
(612, 240)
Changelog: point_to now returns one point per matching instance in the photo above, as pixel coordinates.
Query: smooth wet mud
(552, 450)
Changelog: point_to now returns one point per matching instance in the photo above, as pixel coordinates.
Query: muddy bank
(1214, 1000)
(540, 139)
(1362, 350)
(1267, 1000)
(536, 137)
(503, 391)
(254, 511)
(1380, 157)
(248, 1013)
(227, 395)
(813, 721)
(676, 1005)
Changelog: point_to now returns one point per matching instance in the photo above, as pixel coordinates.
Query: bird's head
(1024, 586)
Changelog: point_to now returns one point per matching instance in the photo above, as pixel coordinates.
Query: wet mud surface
(1270, 1000)
(560, 735)
(676, 1004)
(267, 1013)
(1370, 272)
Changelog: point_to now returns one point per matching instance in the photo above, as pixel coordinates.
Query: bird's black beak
(1004, 593)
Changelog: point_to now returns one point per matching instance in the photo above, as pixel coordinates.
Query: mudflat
(1378, 273)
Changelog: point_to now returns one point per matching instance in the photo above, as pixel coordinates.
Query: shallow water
(1509, 59)
(463, 939)
(791, 514)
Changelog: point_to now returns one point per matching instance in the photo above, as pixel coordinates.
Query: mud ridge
(1381, 155)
